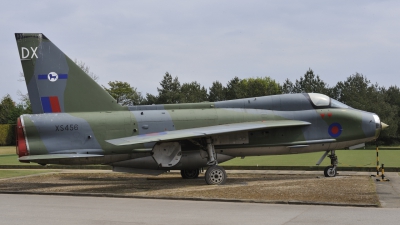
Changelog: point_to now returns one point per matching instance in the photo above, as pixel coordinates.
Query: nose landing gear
(330, 171)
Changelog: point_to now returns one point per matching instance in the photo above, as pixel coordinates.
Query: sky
(204, 41)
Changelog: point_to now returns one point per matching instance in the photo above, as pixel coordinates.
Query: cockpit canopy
(323, 101)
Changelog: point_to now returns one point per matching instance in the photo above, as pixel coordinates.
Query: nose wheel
(330, 171)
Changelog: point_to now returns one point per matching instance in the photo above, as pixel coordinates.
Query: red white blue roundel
(335, 130)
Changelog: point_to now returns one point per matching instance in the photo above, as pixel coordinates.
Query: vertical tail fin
(55, 83)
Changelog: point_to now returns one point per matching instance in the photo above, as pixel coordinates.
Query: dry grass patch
(257, 187)
(7, 150)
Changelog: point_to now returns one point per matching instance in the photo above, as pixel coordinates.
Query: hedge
(7, 134)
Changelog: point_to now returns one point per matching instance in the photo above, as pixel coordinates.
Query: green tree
(149, 99)
(393, 98)
(354, 91)
(193, 92)
(260, 86)
(9, 110)
(124, 93)
(170, 91)
(309, 83)
(288, 87)
(233, 89)
(217, 92)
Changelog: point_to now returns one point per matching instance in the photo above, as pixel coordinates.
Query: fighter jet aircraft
(76, 122)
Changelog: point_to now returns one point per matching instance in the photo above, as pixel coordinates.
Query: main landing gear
(215, 175)
(330, 171)
(190, 174)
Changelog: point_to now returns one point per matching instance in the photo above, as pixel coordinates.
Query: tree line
(171, 91)
(356, 91)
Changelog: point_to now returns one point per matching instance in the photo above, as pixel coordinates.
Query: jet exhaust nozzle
(21, 146)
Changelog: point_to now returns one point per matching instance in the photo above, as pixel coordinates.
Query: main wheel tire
(215, 175)
(330, 171)
(190, 174)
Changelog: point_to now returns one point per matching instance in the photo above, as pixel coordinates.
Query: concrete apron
(389, 192)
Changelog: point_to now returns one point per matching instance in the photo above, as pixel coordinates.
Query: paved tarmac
(40, 210)
(389, 192)
(43, 209)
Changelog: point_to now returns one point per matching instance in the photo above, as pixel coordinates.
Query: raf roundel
(52, 76)
(335, 130)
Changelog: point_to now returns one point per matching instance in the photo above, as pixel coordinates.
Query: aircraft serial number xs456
(67, 127)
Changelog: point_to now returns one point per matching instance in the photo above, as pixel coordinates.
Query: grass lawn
(10, 160)
(8, 156)
(18, 173)
(7, 150)
(356, 158)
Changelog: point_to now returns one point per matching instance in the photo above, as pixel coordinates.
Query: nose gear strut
(330, 171)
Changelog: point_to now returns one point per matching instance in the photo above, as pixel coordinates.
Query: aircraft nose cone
(384, 125)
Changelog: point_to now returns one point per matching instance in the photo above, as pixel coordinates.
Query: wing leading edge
(204, 131)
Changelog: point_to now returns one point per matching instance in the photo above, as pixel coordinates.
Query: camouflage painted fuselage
(87, 132)
(76, 122)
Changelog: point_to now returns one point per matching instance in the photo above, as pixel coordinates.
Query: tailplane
(55, 83)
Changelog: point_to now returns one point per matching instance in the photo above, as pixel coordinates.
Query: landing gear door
(167, 154)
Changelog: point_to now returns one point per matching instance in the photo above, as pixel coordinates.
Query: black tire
(330, 171)
(190, 174)
(215, 175)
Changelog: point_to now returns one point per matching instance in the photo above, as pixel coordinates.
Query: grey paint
(318, 128)
(64, 140)
(34, 94)
(146, 107)
(368, 124)
(293, 102)
(52, 61)
(153, 121)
